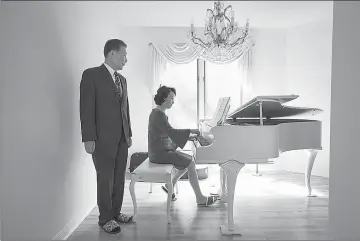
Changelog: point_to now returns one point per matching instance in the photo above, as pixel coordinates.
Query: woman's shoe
(210, 200)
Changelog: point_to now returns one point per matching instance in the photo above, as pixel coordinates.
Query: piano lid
(272, 107)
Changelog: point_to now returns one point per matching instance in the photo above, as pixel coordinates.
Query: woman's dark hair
(162, 93)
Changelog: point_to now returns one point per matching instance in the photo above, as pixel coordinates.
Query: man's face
(119, 58)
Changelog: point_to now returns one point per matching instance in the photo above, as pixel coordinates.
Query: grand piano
(257, 131)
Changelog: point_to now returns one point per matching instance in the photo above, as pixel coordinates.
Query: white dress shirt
(111, 71)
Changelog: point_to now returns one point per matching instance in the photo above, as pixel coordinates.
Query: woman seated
(163, 140)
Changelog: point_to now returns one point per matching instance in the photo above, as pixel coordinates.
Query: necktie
(118, 83)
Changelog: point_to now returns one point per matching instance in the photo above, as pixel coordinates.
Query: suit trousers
(110, 174)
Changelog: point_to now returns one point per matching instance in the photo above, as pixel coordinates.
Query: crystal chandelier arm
(209, 14)
(228, 19)
(197, 40)
(208, 25)
(229, 28)
(210, 10)
(230, 13)
(237, 41)
(213, 36)
(240, 39)
(227, 9)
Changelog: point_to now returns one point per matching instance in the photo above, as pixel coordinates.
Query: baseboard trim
(72, 225)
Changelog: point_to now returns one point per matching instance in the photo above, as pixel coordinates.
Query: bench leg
(177, 188)
(169, 200)
(133, 197)
(150, 187)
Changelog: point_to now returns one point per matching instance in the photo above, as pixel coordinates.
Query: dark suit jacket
(104, 116)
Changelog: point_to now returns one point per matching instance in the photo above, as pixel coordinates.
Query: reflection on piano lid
(272, 107)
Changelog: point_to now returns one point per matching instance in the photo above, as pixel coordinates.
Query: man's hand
(89, 146)
(129, 142)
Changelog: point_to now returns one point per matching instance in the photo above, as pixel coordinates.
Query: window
(221, 80)
(183, 77)
(199, 85)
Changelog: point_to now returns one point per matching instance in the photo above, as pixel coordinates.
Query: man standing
(106, 131)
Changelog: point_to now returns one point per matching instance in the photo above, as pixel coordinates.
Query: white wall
(47, 180)
(50, 180)
(344, 193)
(268, 61)
(297, 61)
(308, 74)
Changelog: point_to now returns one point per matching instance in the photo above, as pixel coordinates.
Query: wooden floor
(271, 207)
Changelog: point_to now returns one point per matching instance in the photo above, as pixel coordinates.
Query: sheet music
(221, 111)
(224, 115)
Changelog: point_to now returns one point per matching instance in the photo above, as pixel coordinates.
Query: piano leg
(231, 169)
(222, 189)
(309, 166)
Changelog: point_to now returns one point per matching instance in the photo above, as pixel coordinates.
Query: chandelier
(221, 31)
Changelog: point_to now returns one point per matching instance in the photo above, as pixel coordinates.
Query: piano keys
(252, 134)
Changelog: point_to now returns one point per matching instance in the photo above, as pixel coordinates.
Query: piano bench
(152, 173)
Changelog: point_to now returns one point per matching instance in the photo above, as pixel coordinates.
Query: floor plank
(273, 206)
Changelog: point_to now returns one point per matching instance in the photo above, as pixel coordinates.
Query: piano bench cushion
(152, 172)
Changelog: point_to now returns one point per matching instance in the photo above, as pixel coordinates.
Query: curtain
(183, 53)
(158, 67)
(178, 53)
(245, 67)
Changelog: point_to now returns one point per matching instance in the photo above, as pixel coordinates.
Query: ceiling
(262, 14)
